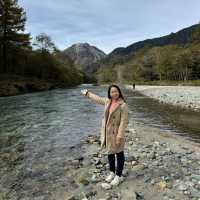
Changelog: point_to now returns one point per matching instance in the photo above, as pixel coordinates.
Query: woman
(114, 121)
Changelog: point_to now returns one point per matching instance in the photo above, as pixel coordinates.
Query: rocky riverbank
(184, 96)
(158, 165)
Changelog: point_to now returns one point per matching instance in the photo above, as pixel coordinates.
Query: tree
(196, 35)
(183, 64)
(195, 56)
(164, 57)
(44, 43)
(12, 23)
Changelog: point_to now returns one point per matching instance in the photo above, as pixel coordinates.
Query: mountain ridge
(180, 37)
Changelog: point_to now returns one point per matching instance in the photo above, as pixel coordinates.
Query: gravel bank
(159, 165)
(184, 96)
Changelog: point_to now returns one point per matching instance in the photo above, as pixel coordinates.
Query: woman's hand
(84, 92)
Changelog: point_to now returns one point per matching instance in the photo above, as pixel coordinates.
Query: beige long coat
(113, 125)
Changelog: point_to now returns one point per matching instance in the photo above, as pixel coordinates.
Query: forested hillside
(174, 57)
(30, 67)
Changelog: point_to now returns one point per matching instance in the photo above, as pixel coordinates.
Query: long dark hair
(116, 86)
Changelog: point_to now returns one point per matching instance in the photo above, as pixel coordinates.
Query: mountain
(84, 55)
(181, 37)
(171, 57)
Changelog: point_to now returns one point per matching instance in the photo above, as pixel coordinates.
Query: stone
(131, 158)
(106, 186)
(82, 179)
(73, 197)
(133, 163)
(182, 187)
(139, 195)
(195, 176)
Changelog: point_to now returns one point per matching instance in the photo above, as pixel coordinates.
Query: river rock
(106, 186)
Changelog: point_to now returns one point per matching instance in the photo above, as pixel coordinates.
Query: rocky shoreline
(183, 96)
(158, 165)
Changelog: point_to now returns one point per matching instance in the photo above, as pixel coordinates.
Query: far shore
(12, 85)
(183, 96)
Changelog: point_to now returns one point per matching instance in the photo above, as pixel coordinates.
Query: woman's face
(114, 93)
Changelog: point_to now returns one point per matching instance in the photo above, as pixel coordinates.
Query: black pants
(120, 162)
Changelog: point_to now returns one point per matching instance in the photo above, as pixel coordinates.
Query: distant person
(114, 121)
(134, 86)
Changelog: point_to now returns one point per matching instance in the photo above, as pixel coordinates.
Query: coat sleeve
(97, 99)
(123, 121)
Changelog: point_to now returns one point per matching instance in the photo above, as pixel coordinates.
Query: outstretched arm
(96, 98)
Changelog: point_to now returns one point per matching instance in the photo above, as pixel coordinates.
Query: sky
(108, 24)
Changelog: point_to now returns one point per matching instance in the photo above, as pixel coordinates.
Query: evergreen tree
(12, 25)
(196, 35)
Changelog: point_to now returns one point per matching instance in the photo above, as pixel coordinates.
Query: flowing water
(39, 130)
